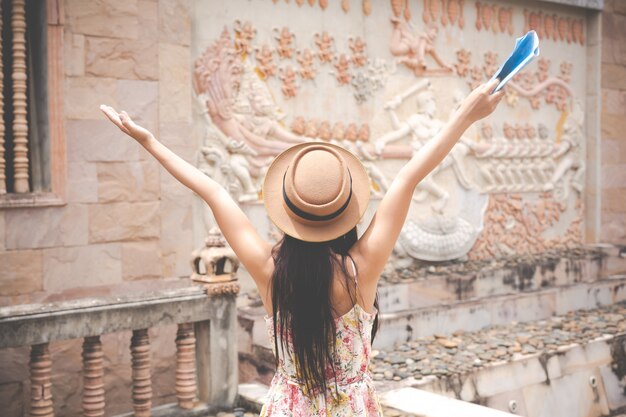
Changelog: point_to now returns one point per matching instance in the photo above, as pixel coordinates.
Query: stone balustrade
(206, 354)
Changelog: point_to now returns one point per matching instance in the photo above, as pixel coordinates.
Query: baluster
(185, 365)
(3, 187)
(142, 388)
(19, 77)
(40, 385)
(93, 374)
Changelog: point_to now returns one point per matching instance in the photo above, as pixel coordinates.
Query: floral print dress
(353, 395)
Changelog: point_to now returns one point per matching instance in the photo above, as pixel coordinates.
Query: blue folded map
(526, 48)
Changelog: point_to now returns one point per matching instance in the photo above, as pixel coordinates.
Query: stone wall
(614, 122)
(126, 221)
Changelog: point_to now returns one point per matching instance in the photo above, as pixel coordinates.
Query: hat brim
(276, 210)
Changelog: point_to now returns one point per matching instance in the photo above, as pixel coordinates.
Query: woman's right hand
(126, 125)
(480, 103)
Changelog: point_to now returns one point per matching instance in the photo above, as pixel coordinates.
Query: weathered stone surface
(148, 19)
(176, 236)
(614, 76)
(175, 21)
(121, 58)
(614, 199)
(174, 83)
(181, 139)
(123, 221)
(82, 266)
(140, 99)
(141, 260)
(82, 182)
(12, 399)
(43, 227)
(619, 7)
(74, 54)
(2, 230)
(111, 18)
(100, 140)
(84, 95)
(22, 272)
(614, 101)
(613, 26)
(613, 176)
(128, 181)
(613, 227)
(613, 125)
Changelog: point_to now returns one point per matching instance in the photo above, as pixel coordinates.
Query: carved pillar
(93, 374)
(142, 386)
(40, 385)
(3, 187)
(19, 77)
(185, 365)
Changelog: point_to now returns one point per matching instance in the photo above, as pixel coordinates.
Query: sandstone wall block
(110, 18)
(82, 266)
(22, 272)
(128, 181)
(175, 21)
(121, 58)
(99, 140)
(74, 54)
(174, 83)
(42, 227)
(140, 99)
(123, 221)
(141, 260)
(82, 182)
(84, 95)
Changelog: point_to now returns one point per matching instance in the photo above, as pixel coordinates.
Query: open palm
(126, 124)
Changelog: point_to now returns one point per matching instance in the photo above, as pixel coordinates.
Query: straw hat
(316, 191)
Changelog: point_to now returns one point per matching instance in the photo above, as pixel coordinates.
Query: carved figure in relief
(244, 33)
(285, 40)
(288, 76)
(570, 154)
(421, 127)
(265, 61)
(325, 46)
(357, 46)
(342, 67)
(307, 66)
(412, 49)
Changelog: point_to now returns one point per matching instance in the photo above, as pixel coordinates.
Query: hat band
(313, 217)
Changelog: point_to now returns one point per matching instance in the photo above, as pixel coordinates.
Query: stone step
(479, 313)
(399, 403)
(467, 315)
(445, 284)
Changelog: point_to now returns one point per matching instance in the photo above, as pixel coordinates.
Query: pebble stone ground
(444, 355)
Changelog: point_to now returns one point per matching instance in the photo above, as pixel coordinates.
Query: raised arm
(376, 244)
(253, 252)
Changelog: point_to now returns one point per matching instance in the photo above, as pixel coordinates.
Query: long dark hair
(301, 290)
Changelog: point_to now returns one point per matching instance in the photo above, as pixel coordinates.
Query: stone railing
(206, 353)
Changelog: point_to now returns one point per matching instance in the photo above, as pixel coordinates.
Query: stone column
(185, 365)
(142, 385)
(3, 187)
(40, 385)
(93, 374)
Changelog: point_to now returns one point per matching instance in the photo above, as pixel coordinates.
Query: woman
(318, 284)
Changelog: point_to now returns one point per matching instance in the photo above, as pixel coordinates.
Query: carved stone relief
(270, 80)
